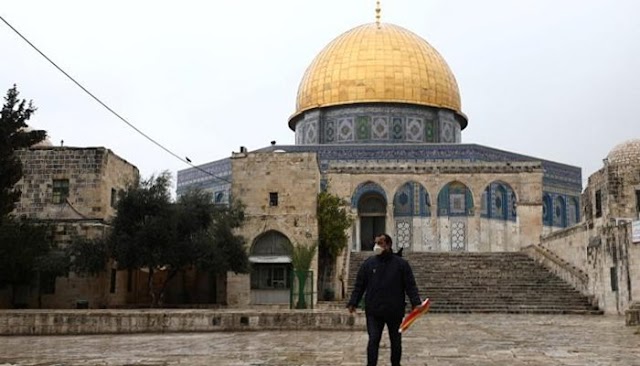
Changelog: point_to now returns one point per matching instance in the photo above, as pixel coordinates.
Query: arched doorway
(270, 269)
(372, 212)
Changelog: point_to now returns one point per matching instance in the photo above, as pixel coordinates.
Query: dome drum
(380, 123)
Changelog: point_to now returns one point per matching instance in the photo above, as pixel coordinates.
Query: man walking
(384, 279)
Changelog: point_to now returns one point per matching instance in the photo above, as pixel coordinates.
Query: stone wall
(92, 174)
(570, 244)
(295, 177)
(70, 289)
(601, 246)
(172, 321)
(632, 316)
(95, 177)
(608, 258)
(617, 186)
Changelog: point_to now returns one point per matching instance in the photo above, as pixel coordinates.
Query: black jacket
(384, 280)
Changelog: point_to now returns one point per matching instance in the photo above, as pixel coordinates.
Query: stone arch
(547, 209)
(372, 215)
(499, 202)
(270, 243)
(370, 200)
(270, 277)
(455, 199)
(411, 199)
(364, 188)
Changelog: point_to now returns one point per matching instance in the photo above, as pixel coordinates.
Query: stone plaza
(436, 340)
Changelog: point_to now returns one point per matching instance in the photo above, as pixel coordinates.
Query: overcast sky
(554, 79)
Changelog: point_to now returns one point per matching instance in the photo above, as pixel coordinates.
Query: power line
(184, 160)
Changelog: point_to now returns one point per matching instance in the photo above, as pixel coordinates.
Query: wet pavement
(435, 340)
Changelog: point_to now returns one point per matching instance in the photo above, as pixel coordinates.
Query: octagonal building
(379, 122)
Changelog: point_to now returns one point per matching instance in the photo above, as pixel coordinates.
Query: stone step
(483, 287)
(518, 311)
(481, 295)
(488, 282)
(519, 300)
(479, 302)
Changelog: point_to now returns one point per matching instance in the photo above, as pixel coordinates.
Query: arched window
(364, 188)
(573, 211)
(455, 199)
(547, 212)
(271, 243)
(411, 199)
(560, 212)
(499, 202)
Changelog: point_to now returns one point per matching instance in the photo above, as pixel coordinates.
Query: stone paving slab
(436, 340)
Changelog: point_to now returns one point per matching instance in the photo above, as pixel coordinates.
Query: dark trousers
(375, 324)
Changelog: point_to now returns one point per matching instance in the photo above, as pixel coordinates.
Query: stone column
(238, 289)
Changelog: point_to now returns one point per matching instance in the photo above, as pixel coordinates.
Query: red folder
(414, 315)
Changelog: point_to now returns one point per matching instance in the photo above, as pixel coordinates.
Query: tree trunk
(325, 269)
(152, 293)
(302, 281)
(170, 276)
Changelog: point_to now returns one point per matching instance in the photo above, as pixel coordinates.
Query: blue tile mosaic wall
(429, 131)
(377, 123)
(411, 200)
(346, 131)
(560, 210)
(573, 211)
(499, 202)
(547, 211)
(214, 177)
(329, 131)
(397, 129)
(363, 126)
(380, 128)
(455, 199)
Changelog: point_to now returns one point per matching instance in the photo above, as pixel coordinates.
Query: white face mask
(377, 249)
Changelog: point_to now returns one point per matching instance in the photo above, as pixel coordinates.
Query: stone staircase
(504, 282)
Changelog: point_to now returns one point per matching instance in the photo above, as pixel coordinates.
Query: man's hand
(352, 309)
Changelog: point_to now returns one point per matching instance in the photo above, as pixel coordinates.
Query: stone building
(75, 190)
(601, 247)
(379, 122)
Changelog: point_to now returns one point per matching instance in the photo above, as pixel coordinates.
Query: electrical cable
(184, 160)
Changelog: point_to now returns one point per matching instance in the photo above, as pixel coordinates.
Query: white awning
(269, 259)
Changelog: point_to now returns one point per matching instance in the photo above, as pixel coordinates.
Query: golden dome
(378, 63)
